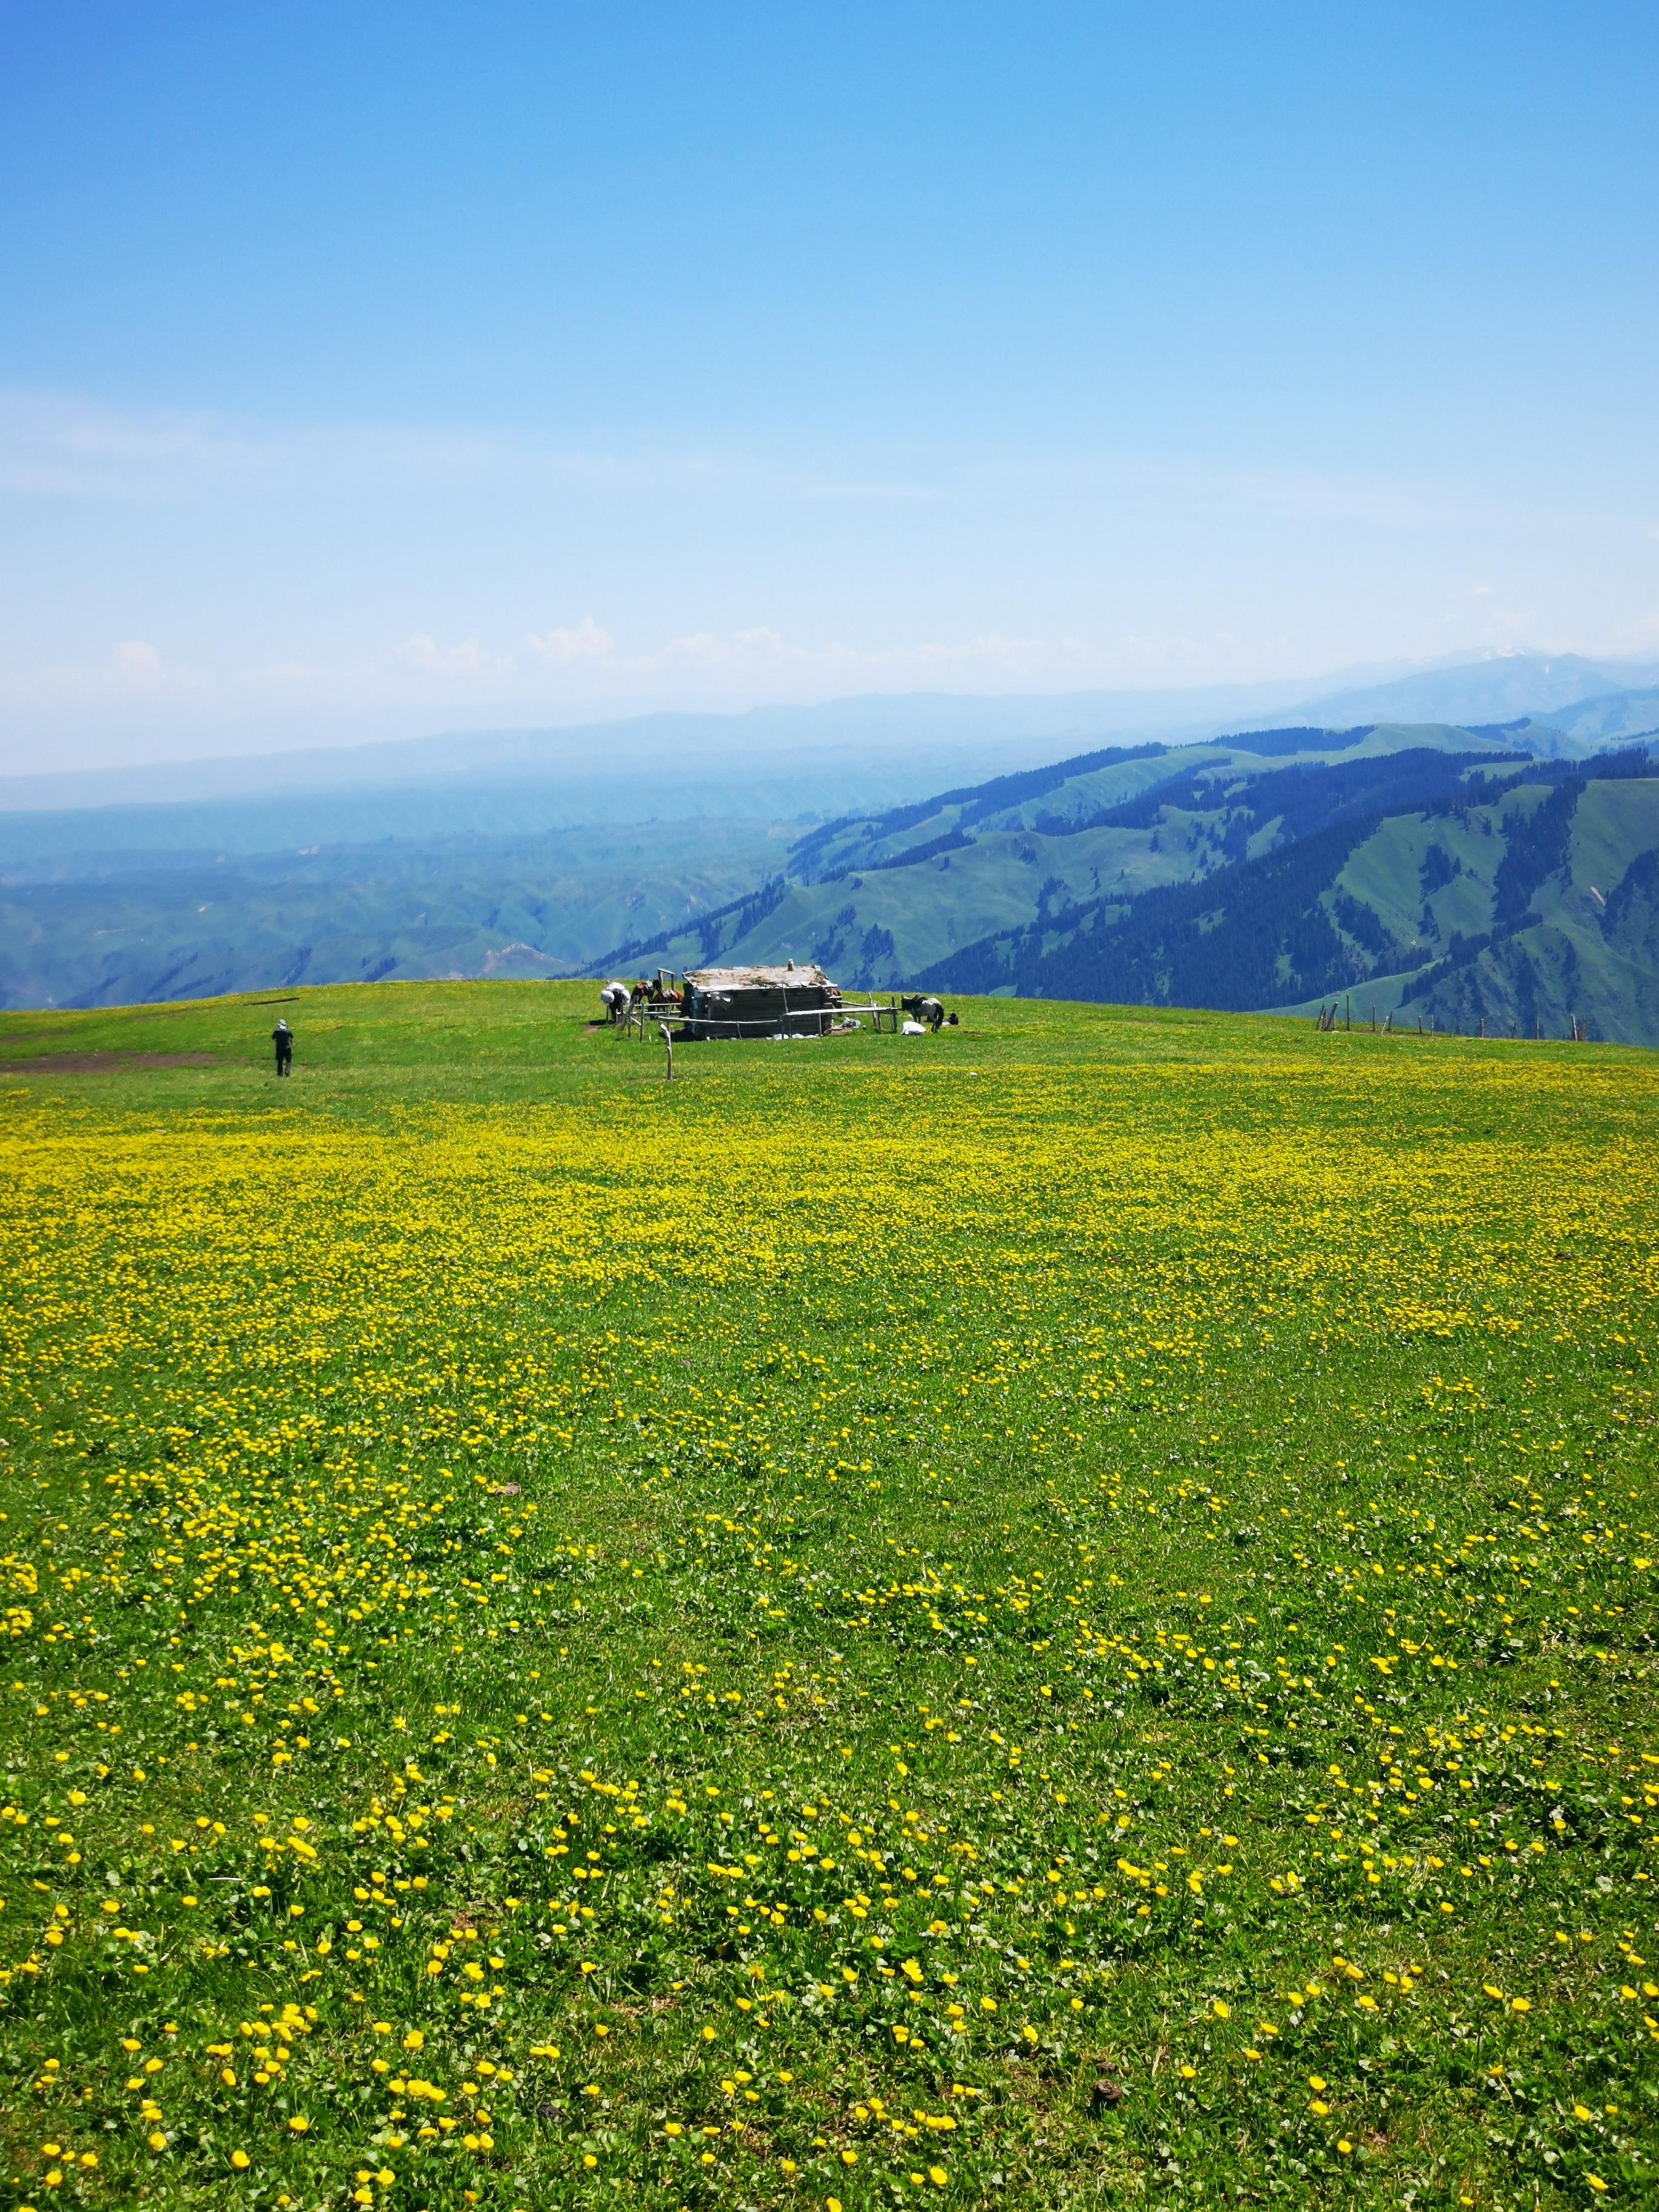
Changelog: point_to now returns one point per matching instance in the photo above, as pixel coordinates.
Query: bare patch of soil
(98, 1063)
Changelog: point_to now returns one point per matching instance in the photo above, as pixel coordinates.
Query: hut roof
(799, 977)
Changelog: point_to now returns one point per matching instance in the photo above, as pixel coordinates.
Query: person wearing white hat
(282, 1037)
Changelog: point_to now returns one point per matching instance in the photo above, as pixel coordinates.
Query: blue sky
(367, 369)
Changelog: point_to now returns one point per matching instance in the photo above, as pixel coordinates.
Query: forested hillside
(1441, 873)
(880, 898)
(1485, 902)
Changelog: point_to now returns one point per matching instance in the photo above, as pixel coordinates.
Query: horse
(921, 1008)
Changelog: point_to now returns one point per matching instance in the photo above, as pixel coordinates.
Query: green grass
(1088, 1578)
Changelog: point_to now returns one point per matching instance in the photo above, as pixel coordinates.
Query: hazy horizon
(201, 743)
(1029, 719)
(871, 746)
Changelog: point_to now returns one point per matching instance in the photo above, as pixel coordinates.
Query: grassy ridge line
(831, 1606)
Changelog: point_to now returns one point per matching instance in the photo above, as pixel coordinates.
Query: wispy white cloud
(580, 665)
(1073, 570)
(132, 672)
(763, 649)
(467, 658)
(55, 445)
(64, 446)
(1638, 638)
(586, 650)
(586, 641)
(746, 649)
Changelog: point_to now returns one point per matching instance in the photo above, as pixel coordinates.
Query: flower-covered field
(1060, 1614)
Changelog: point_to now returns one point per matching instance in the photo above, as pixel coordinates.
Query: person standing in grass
(282, 1037)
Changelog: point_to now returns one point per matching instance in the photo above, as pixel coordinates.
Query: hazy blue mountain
(921, 736)
(281, 824)
(193, 925)
(1472, 693)
(1591, 724)
(776, 762)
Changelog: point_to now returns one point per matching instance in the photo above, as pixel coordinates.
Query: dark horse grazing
(920, 1008)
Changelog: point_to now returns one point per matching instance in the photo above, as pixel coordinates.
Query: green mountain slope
(884, 898)
(1569, 924)
(1440, 876)
(1520, 900)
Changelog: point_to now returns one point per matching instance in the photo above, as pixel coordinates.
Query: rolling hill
(1441, 873)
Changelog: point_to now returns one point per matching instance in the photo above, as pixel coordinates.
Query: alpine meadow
(1056, 1615)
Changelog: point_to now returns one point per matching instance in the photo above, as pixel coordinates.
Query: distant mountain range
(845, 753)
(1553, 691)
(800, 830)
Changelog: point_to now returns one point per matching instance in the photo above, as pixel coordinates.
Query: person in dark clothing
(282, 1037)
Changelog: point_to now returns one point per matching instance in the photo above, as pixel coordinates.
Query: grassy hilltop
(1056, 1615)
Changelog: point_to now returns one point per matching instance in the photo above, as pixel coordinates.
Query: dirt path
(98, 1063)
